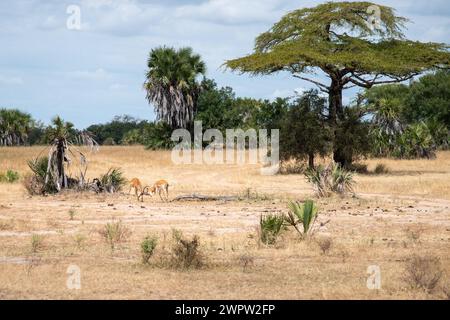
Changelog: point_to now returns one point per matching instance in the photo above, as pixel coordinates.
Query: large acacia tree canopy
(336, 38)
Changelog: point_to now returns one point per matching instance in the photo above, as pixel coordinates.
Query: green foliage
(271, 226)
(117, 129)
(36, 184)
(330, 179)
(352, 135)
(171, 84)
(429, 99)
(10, 176)
(304, 131)
(113, 180)
(219, 108)
(15, 126)
(157, 136)
(416, 142)
(148, 246)
(320, 37)
(109, 142)
(304, 214)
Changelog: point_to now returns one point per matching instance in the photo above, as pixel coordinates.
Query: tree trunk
(336, 110)
(311, 160)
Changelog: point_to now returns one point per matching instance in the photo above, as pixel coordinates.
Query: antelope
(160, 187)
(135, 184)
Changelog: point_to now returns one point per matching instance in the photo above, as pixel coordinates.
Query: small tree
(304, 132)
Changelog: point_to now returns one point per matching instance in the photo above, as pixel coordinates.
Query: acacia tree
(337, 40)
(171, 84)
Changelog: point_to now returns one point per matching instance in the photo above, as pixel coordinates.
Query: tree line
(396, 120)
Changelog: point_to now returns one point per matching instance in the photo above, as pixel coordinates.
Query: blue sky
(89, 75)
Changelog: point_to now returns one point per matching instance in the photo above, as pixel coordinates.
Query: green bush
(113, 180)
(305, 215)
(330, 179)
(271, 226)
(10, 176)
(148, 246)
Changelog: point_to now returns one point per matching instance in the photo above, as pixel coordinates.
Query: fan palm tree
(172, 86)
(14, 127)
(62, 143)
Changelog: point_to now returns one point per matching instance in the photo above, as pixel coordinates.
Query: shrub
(113, 180)
(246, 261)
(10, 176)
(148, 246)
(305, 214)
(359, 168)
(423, 272)
(186, 253)
(72, 214)
(330, 179)
(35, 184)
(292, 167)
(79, 240)
(109, 142)
(325, 244)
(36, 242)
(114, 233)
(381, 169)
(271, 226)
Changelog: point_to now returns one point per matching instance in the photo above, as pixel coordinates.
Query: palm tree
(172, 86)
(62, 143)
(14, 127)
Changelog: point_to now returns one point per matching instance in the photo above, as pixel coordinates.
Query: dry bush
(292, 167)
(246, 261)
(186, 253)
(37, 243)
(114, 233)
(381, 169)
(79, 241)
(33, 184)
(325, 244)
(5, 225)
(359, 168)
(423, 272)
(414, 233)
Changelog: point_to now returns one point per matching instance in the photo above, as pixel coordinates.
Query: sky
(90, 74)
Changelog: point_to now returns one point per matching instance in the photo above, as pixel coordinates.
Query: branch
(323, 88)
(361, 82)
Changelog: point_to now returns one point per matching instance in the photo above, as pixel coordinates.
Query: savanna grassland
(392, 217)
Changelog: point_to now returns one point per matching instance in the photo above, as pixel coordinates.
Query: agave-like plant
(319, 178)
(113, 180)
(330, 179)
(271, 226)
(342, 180)
(305, 214)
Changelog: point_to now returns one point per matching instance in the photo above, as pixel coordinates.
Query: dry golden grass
(393, 216)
